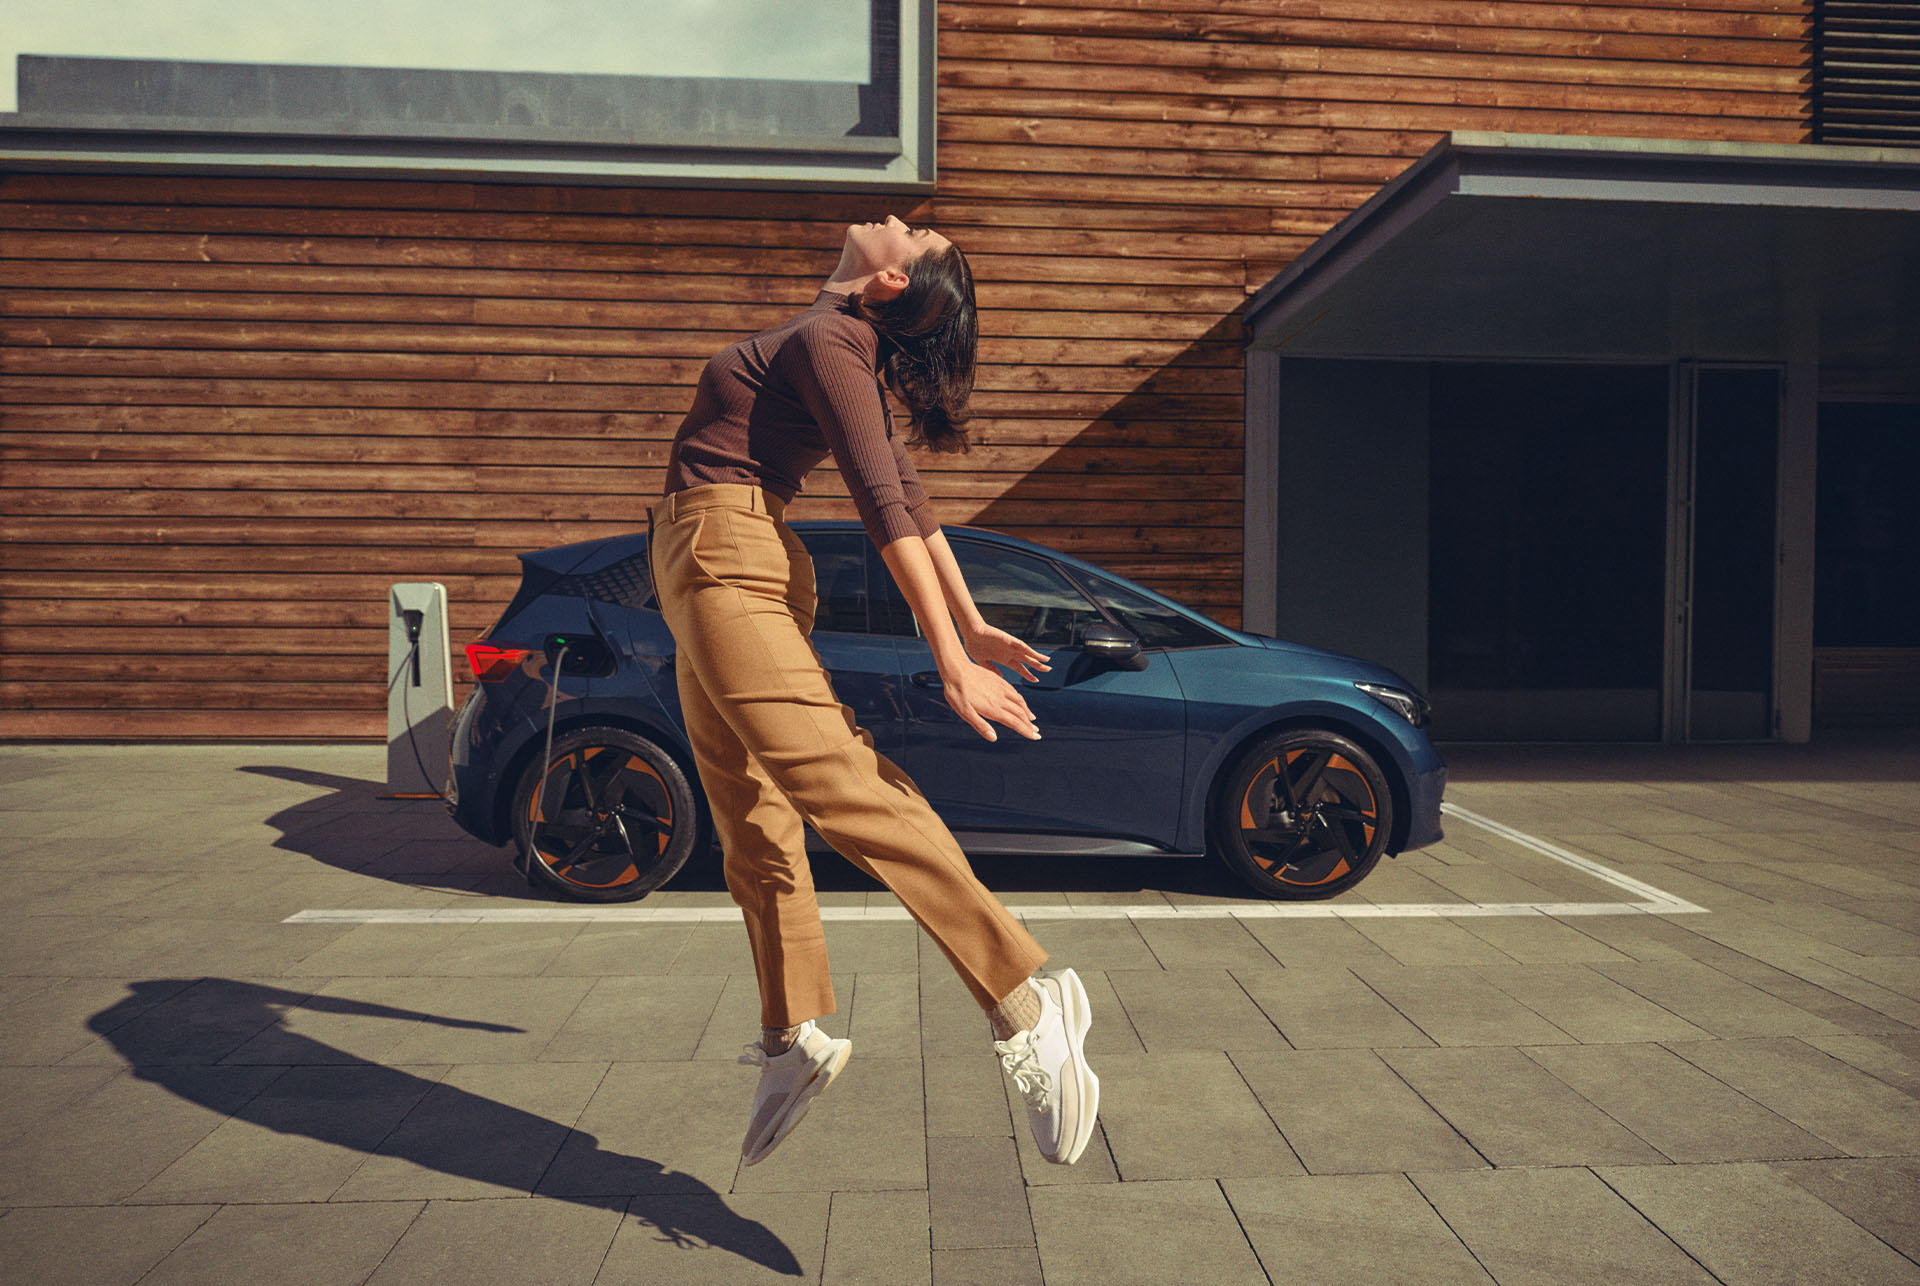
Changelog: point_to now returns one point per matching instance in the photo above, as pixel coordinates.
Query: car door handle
(927, 679)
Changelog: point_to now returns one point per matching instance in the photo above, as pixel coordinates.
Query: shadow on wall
(1151, 486)
(320, 1092)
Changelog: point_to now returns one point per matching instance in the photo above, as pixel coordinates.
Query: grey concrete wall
(1352, 509)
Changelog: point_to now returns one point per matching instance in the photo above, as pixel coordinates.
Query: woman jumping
(773, 744)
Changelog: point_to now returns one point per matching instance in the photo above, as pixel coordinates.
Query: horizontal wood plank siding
(234, 410)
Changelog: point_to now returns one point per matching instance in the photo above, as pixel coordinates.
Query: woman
(773, 743)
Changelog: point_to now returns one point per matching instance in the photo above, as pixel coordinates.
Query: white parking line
(1654, 902)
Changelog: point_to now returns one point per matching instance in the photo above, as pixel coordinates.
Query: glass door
(1730, 556)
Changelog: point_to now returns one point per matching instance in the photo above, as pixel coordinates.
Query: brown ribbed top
(774, 405)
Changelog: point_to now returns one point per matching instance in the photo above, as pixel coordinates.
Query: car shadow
(490, 1142)
(413, 842)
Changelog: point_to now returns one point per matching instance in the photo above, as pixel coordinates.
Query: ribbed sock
(778, 1040)
(1018, 1011)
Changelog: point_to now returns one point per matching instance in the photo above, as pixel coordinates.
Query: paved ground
(195, 1091)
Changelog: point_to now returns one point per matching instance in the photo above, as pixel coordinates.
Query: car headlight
(1411, 705)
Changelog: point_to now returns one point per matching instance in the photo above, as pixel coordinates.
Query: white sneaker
(788, 1084)
(1049, 1066)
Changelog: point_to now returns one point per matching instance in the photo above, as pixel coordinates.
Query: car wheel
(609, 818)
(1305, 814)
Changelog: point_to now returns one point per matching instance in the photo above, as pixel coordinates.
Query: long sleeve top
(774, 405)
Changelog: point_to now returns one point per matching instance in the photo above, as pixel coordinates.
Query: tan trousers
(774, 745)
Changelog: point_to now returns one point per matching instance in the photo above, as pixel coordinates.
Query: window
(831, 93)
(1154, 624)
(1023, 595)
(840, 580)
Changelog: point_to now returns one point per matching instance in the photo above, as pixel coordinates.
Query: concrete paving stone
(1857, 1113)
(1765, 940)
(602, 950)
(635, 1019)
(1895, 973)
(478, 1020)
(1391, 883)
(1458, 1007)
(1555, 1226)
(1893, 1059)
(1714, 1001)
(866, 1131)
(1513, 1111)
(975, 1194)
(1818, 987)
(59, 1020)
(1751, 1224)
(1899, 913)
(884, 947)
(1639, 936)
(1344, 1111)
(994, 1266)
(1192, 1009)
(1317, 944)
(193, 948)
(1170, 1231)
(104, 1145)
(1430, 943)
(884, 1018)
(1349, 1228)
(1096, 1164)
(30, 1094)
(1484, 882)
(964, 1096)
(496, 950)
(1688, 1115)
(1610, 847)
(201, 1023)
(1324, 1008)
(656, 1128)
(1203, 944)
(1591, 1008)
(380, 950)
(37, 946)
(1539, 940)
(715, 948)
(1881, 1195)
(555, 1243)
(121, 895)
(298, 1245)
(1080, 898)
(483, 1130)
(1677, 878)
(952, 1024)
(92, 1245)
(1088, 946)
(877, 1239)
(1112, 1031)
(1187, 1115)
(297, 1140)
(1854, 934)
(735, 1020)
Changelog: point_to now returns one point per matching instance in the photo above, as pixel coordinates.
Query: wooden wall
(234, 410)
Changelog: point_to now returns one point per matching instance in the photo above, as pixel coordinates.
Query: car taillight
(490, 664)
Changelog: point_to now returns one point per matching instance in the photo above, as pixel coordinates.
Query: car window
(840, 579)
(1154, 624)
(1023, 595)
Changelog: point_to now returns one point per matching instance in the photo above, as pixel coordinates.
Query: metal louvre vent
(626, 583)
(1866, 71)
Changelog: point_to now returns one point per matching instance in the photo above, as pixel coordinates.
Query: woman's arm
(983, 642)
(977, 693)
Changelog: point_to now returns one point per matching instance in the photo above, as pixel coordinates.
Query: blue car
(1163, 731)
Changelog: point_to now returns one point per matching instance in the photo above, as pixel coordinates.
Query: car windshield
(1023, 595)
(1154, 624)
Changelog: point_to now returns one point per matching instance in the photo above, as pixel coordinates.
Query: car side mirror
(1112, 646)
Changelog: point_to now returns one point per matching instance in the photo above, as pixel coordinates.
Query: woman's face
(873, 247)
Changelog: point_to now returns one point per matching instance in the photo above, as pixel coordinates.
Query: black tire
(615, 821)
(1313, 832)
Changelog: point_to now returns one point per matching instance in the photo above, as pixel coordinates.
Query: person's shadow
(491, 1142)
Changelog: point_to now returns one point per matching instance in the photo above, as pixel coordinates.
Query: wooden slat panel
(249, 404)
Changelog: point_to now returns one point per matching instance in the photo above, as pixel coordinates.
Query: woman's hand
(988, 643)
(978, 693)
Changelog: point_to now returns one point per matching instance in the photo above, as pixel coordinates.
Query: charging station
(419, 689)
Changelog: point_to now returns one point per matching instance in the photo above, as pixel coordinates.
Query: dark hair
(931, 330)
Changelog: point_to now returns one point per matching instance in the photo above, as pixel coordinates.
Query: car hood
(1322, 661)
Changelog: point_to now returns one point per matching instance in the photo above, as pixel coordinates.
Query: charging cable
(410, 665)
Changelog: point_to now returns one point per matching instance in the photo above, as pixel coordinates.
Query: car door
(1110, 760)
(864, 665)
